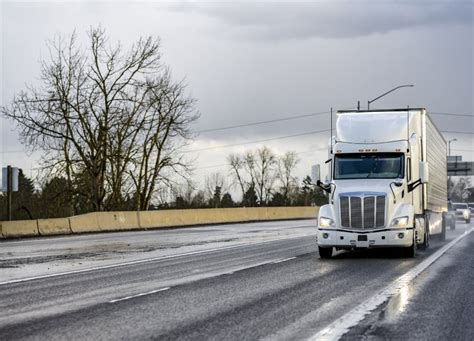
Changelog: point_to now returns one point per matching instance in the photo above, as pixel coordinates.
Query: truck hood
(365, 186)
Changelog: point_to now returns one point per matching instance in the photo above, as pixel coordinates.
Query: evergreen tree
(250, 197)
(55, 199)
(227, 200)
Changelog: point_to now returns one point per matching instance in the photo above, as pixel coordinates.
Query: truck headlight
(326, 222)
(399, 222)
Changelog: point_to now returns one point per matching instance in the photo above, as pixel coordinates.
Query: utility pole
(449, 146)
(9, 185)
(449, 178)
(9, 192)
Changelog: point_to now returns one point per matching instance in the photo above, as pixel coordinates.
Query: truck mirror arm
(413, 185)
(393, 192)
(397, 183)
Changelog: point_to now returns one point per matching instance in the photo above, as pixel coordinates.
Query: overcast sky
(252, 61)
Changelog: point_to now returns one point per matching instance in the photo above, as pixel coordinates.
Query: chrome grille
(362, 211)
(380, 211)
(356, 212)
(369, 212)
(345, 211)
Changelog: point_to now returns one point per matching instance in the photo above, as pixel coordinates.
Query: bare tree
(265, 174)
(257, 170)
(110, 117)
(236, 164)
(285, 173)
(461, 190)
(214, 181)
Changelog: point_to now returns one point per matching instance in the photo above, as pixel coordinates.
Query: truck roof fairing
(369, 127)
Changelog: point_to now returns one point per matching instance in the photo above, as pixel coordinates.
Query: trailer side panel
(437, 188)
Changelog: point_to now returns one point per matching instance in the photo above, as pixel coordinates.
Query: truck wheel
(426, 239)
(442, 236)
(325, 252)
(410, 251)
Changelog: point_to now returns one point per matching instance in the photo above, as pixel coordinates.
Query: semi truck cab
(379, 189)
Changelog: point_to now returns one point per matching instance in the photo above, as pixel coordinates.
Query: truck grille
(362, 212)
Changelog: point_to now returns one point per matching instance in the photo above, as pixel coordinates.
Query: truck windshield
(369, 166)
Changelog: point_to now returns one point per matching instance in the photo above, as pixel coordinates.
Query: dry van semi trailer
(388, 182)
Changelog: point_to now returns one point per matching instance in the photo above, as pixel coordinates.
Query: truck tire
(426, 238)
(442, 236)
(325, 252)
(410, 251)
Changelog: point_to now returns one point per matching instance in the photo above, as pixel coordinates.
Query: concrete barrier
(119, 221)
(84, 223)
(19, 228)
(151, 219)
(116, 221)
(174, 218)
(54, 226)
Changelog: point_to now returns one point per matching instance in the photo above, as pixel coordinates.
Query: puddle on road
(398, 304)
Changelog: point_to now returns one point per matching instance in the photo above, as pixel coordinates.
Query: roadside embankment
(140, 220)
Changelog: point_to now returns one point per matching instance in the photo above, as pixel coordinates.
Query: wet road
(270, 289)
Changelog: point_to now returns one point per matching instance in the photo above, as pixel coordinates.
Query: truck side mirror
(424, 173)
(315, 174)
(324, 186)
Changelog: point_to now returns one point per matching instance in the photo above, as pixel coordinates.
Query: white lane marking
(283, 260)
(338, 328)
(147, 260)
(247, 267)
(257, 265)
(139, 295)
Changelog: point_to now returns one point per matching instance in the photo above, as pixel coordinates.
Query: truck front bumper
(352, 239)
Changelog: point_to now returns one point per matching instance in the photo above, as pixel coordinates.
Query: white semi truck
(387, 185)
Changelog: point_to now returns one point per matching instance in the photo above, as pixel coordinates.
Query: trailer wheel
(325, 252)
(443, 229)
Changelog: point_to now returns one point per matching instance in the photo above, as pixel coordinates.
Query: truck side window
(408, 169)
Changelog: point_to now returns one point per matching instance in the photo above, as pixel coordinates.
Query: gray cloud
(335, 19)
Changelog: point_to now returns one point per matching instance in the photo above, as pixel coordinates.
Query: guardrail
(142, 220)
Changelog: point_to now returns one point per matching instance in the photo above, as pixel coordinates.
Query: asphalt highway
(272, 289)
